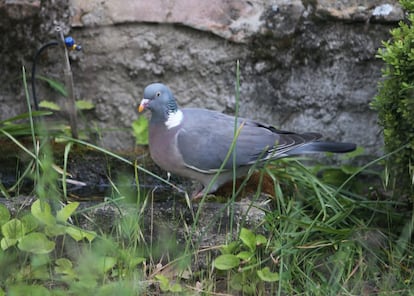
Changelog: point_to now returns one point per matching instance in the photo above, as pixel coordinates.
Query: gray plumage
(194, 142)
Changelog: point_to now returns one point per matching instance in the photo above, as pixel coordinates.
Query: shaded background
(305, 65)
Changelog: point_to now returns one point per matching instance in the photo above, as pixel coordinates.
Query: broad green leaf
(6, 243)
(357, 152)
(13, 229)
(4, 214)
(37, 260)
(105, 264)
(67, 211)
(175, 288)
(349, 169)
(64, 266)
(50, 105)
(40, 273)
(140, 129)
(41, 210)
(56, 85)
(64, 263)
(245, 255)
(230, 248)
(135, 261)
(79, 234)
(23, 289)
(37, 243)
(166, 285)
(260, 240)
(55, 230)
(30, 222)
(266, 275)
(84, 105)
(226, 262)
(164, 282)
(248, 238)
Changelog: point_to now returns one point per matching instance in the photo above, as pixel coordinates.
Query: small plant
(140, 130)
(395, 101)
(246, 261)
(31, 232)
(81, 105)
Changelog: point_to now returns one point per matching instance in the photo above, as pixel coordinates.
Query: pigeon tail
(320, 146)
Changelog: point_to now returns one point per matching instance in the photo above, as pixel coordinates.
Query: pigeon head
(159, 99)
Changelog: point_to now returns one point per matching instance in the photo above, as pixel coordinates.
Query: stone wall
(305, 65)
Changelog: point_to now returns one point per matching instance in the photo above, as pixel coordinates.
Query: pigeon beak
(143, 105)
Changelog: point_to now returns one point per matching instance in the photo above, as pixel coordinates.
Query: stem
(32, 129)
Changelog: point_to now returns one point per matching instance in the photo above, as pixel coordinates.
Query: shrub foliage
(395, 100)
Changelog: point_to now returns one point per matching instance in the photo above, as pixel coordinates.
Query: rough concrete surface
(305, 65)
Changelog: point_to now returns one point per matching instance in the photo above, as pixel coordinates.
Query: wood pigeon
(194, 143)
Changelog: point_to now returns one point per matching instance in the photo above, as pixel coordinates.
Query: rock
(234, 20)
(20, 9)
(388, 13)
(359, 10)
(305, 65)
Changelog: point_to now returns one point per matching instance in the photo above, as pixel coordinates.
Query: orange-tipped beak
(141, 108)
(143, 105)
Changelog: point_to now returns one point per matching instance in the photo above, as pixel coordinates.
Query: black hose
(38, 52)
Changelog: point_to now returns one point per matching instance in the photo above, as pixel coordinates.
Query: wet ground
(91, 174)
(98, 180)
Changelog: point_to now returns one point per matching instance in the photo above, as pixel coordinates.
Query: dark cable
(38, 52)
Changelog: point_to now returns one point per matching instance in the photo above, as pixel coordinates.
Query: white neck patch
(174, 119)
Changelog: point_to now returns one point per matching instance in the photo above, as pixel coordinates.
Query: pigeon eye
(157, 94)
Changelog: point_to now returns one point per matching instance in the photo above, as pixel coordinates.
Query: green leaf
(79, 234)
(30, 222)
(245, 255)
(25, 116)
(140, 130)
(4, 214)
(230, 248)
(23, 289)
(260, 240)
(14, 229)
(164, 282)
(226, 262)
(248, 238)
(84, 105)
(63, 264)
(135, 261)
(266, 275)
(56, 85)
(37, 243)
(41, 210)
(40, 273)
(357, 152)
(105, 263)
(55, 230)
(38, 260)
(65, 267)
(349, 169)
(49, 105)
(67, 211)
(175, 288)
(6, 243)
